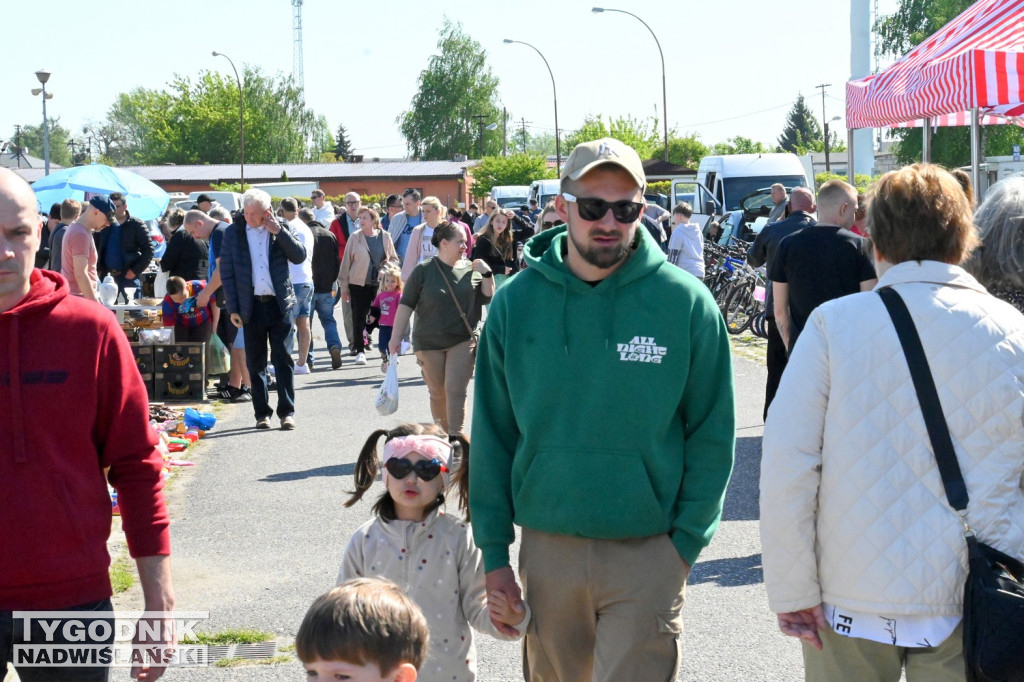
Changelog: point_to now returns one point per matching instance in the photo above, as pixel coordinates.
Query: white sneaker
(302, 369)
(360, 359)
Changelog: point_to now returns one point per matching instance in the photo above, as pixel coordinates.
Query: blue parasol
(146, 201)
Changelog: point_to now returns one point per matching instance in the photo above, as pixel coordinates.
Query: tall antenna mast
(297, 74)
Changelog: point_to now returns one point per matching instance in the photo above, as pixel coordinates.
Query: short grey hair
(221, 214)
(256, 197)
(306, 215)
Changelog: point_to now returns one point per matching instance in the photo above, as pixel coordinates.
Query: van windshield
(736, 189)
(513, 201)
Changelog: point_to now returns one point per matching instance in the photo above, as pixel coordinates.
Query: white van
(232, 201)
(544, 191)
(724, 181)
(510, 196)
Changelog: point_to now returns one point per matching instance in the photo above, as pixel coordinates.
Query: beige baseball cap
(589, 155)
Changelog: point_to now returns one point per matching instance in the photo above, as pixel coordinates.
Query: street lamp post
(241, 118)
(664, 88)
(43, 75)
(554, 93)
(828, 166)
(481, 127)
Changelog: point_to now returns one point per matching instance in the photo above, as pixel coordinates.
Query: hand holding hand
(503, 611)
(502, 581)
(804, 625)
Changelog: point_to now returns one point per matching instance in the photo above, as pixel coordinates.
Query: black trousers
(777, 359)
(362, 297)
(12, 635)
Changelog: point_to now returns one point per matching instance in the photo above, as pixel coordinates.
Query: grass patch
(750, 347)
(286, 649)
(237, 662)
(122, 573)
(230, 636)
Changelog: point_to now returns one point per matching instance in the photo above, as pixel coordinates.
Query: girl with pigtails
(429, 553)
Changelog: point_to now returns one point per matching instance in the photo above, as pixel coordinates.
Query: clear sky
(734, 67)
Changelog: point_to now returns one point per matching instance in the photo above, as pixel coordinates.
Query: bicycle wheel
(737, 309)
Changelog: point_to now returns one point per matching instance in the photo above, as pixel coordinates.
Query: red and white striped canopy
(976, 60)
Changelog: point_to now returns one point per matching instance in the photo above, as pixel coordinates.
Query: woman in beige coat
(366, 251)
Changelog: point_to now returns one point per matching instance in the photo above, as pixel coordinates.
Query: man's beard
(603, 257)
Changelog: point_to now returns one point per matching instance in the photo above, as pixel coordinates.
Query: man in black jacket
(124, 250)
(762, 252)
(259, 295)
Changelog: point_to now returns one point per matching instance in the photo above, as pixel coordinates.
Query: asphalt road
(259, 530)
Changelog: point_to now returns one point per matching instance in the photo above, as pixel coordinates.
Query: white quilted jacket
(853, 512)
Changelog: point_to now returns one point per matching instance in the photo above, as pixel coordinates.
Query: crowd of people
(864, 559)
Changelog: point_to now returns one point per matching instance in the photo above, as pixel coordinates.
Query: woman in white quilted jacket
(864, 559)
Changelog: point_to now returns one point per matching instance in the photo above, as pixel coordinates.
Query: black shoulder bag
(993, 620)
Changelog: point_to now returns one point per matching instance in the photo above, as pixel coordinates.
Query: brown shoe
(287, 423)
(263, 423)
(335, 357)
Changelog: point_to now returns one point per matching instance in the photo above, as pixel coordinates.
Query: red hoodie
(72, 404)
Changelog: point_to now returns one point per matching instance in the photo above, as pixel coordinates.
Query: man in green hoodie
(611, 450)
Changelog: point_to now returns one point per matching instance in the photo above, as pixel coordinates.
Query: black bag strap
(451, 290)
(928, 397)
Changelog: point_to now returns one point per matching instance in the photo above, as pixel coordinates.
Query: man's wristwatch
(488, 274)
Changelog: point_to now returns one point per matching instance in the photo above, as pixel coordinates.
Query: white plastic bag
(387, 397)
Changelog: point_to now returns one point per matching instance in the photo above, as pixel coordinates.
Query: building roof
(269, 172)
(9, 159)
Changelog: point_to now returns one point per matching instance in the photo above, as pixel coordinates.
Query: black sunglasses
(426, 469)
(594, 209)
(547, 224)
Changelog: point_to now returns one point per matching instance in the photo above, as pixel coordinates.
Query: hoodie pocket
(589, 492)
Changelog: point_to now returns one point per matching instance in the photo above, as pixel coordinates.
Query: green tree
(898, 33)
(32, 141)
(514, 169)
(684, 151)
(541, 143)
(802, 130)
(342, 146)
(739, 145)
(457, 92)
(197, 122)
(641, 135)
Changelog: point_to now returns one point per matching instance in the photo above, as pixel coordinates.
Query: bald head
(19, 237)
(199, 224)
(837, 204)
(801, 199)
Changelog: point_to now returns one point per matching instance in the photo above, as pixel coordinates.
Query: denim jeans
(302, 307)
(323, 304)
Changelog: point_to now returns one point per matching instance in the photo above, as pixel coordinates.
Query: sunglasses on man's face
(426, 469)
(548, 224)
(591, 208)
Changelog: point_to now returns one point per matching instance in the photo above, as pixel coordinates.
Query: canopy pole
(926, 141)
(976, 153)
(849, 156)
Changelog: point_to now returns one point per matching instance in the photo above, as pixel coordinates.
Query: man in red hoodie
(68, 354)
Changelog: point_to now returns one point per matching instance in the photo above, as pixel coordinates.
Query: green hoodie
(604, 411)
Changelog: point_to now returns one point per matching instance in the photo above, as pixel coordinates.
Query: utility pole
(17, 142)
(504, 131)
(71, 143)
(522, 139)
(824, 121)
